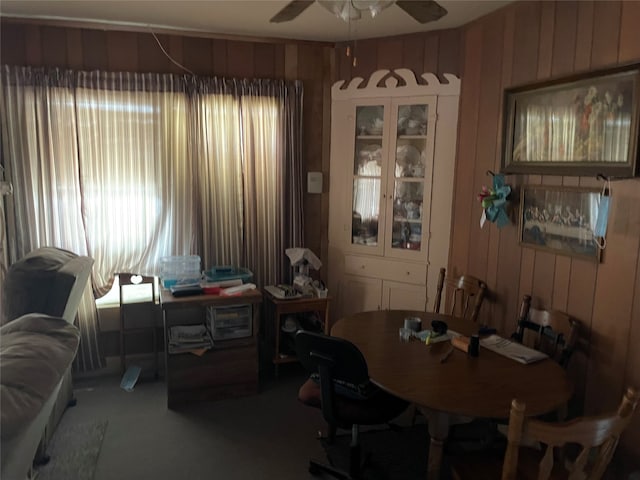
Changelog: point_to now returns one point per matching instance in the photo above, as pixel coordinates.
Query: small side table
(275, 308)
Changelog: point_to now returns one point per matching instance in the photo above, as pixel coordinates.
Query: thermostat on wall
(314, 182)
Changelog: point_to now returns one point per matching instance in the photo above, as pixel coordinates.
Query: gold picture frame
(581, 125)
(560, 220)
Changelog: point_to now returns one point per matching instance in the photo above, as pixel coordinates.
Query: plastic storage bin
(184, 270)
(222, 273)
(230, 322)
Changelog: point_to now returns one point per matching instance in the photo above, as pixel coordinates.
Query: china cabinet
(392, 162)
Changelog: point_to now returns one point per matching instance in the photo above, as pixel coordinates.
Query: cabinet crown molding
(359, 88)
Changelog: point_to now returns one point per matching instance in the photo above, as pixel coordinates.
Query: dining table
(450, 386)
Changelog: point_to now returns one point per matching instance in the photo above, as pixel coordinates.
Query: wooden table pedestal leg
(438, 432)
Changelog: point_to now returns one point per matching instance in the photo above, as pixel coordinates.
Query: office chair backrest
(598, 432)
(466, 295)
(340, 356)
(550, 331)
(336, 360)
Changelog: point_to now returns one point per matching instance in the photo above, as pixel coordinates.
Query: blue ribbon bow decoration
(494, 201)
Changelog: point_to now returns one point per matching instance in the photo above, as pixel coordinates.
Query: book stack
(189, 338)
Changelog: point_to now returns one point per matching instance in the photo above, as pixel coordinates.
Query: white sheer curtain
(135, 171)
(127, 168)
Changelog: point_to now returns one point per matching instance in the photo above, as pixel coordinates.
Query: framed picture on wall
(560, 220)
(581, 125)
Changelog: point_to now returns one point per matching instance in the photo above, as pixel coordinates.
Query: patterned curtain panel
(249, 136)
(218, 139)
(128, 168)
(291, 184)
(40, 149)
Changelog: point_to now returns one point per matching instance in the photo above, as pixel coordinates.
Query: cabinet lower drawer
(396, 270)
(216, 367)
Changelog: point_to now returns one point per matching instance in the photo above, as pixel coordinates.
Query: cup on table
(474, 346)
(405, 334)
(413, 323)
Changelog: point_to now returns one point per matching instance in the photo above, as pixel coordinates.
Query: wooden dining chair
(596, 438)
(465, 294)
(550, 331)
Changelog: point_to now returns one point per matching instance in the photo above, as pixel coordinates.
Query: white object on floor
(130, 378)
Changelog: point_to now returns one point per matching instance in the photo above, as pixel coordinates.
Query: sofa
(38, 342)
(36, 351)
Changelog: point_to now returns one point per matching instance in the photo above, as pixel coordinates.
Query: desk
(473, 387)
(229, 369)
(276, 307)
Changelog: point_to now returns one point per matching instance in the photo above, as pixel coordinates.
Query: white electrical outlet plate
(314, 182)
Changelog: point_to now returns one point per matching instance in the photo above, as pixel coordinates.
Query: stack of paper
(187, 338)
(513, 350)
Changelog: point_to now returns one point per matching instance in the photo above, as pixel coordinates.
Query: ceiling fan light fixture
(341, 9)
(352, 9)
(374, 6)
(423, 11)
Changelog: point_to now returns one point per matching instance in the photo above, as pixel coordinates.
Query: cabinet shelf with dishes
(387, 188)
(369, 137)
(391, 177)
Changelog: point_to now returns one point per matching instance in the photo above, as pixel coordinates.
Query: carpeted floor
(401, 452)
(74, 451)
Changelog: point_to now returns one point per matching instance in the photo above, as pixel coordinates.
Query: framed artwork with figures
(581, 125)
(560, 220)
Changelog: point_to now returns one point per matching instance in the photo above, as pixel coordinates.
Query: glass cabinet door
(410, 168)
(391, 177)
(367, 175)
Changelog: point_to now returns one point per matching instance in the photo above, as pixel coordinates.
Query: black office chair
(340, 387)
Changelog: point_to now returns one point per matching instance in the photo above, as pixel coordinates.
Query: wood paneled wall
(116, 50)
(435, 52)
(521, 43)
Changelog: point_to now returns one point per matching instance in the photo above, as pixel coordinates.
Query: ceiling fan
(422, 11)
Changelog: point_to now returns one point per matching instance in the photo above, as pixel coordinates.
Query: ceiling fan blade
(291, 11)
(423, 11)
